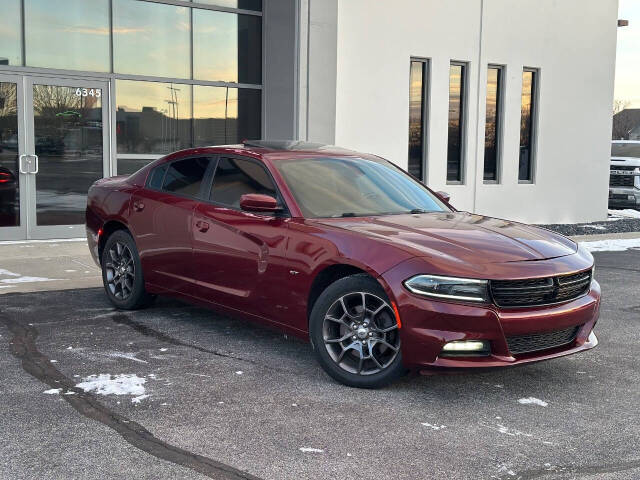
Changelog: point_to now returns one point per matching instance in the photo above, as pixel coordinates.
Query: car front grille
(535, 342)
(540, 291)
(622, 180)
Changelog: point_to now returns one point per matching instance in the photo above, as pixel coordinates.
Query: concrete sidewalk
(42, 265)
(33, 266)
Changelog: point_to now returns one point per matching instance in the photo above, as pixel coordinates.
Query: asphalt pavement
(176, 391)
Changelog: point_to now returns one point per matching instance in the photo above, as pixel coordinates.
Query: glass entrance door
(62, 148)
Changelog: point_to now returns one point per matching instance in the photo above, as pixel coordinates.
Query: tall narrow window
(527, 126)
(492, 124)
(417, 84)
(455, 148)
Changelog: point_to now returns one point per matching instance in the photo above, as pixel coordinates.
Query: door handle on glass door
(138, 206)
(202, 226)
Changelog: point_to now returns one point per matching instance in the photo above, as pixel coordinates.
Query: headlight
(464, 289)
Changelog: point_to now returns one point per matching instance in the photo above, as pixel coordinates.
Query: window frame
(464, 114)
(533, 129)
(205, 178)
(500, 113)
(285, 212)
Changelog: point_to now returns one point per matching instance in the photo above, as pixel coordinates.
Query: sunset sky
(628, 58)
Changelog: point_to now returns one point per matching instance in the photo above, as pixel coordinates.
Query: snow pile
(434, 427)
(106, 384)
(532, 401)
(612, 245)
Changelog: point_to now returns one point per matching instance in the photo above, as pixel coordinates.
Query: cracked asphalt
(231, 400)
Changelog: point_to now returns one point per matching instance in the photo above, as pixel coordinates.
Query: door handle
(20, 163)
(202, 226)
(138, 206)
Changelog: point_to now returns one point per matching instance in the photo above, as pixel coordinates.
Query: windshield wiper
(418, 210)
(348, 214)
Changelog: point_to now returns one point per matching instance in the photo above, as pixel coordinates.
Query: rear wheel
(122, 272)
(355, 333)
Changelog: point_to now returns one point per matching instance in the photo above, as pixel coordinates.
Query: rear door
(162, 216)
(239, 257)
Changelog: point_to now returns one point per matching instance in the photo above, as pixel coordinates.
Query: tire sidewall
(138, 295)
(354, 283)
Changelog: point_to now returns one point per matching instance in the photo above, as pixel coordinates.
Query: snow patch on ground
(107, 384)
(595, 227)
(310, 450)
(626, 213)
(53, 391)
(139, 398)
(19, 278)
(612, 245)
(532, 401)
(507, 431)
(507, 470)
(433, 427)
(128, 356)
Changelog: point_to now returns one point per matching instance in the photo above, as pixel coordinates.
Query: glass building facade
(92, 88)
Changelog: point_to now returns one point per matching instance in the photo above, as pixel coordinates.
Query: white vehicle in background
(624, 179)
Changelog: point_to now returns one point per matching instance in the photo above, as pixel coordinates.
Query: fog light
(462, 346)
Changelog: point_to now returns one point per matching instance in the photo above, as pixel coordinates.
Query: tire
(122, 272)
(339, 346)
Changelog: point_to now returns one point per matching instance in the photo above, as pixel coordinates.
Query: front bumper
(427, 325)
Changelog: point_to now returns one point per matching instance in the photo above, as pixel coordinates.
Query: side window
(185, 176)
(156, 176)
(234, 177)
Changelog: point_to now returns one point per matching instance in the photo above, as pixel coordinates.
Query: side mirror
(256, 202)
(444, 196)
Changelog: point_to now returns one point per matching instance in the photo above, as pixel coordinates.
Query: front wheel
(122, 272)
(355, 333)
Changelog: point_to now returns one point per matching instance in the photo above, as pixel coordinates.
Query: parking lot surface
(176, 391)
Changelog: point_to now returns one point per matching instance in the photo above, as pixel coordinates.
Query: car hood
(459, 237)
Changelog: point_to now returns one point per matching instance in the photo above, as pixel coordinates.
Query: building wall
(572, 42)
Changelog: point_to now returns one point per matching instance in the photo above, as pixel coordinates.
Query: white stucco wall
(573, 44)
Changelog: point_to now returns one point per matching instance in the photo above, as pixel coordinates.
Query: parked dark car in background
(346, 250)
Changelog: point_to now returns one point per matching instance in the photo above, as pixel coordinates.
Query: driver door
(239, 257)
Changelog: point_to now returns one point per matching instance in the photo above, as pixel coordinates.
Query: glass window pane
(492, 124)
(225, 115)
(185, 176)
(152, 117)
(416, 118)
(235, 177)
(156, 177)
(72, 35)
(456, 122)
(526, 124)
(69, 136)
(9, 185)
(244, 4)
(10, 50)
(151, 39)
(227, 47)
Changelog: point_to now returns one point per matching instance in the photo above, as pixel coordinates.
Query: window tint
(417, 88)
(156, 177)
(492, 124)
(457, 80)
(67, 34)
(10, 34)
(527, 130)
(235, 177)
(185, 176)
(227, 47)
(151, 39)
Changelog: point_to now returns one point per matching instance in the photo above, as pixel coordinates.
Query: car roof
(277, 150)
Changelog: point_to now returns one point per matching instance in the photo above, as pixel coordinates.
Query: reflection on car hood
(460, 236)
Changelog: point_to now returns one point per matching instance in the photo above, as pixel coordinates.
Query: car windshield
(629, 150)
(354, 187)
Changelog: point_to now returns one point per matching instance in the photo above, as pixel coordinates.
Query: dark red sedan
(344, 249)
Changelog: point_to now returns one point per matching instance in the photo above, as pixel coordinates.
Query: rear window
(629, 150)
